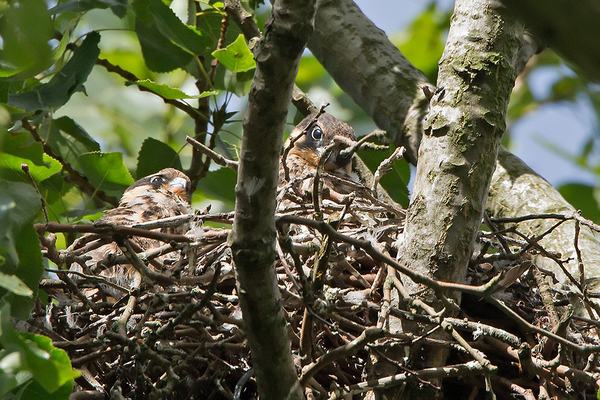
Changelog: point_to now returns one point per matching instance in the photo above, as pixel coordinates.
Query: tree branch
(253, 237)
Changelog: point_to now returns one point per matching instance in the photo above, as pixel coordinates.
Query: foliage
(140, 78)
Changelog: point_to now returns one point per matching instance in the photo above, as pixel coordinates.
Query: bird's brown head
(317, 135)
(168, 181)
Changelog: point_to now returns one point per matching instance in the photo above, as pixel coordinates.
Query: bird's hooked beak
(334, 160)
(180, 183)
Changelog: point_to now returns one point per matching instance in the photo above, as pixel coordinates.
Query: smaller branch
(468, 369)
(132, 78)
(242, 18)
(94, 278)
(213, 155)
(369, 335)
(579, 259)
(563, 217)
(25, 169)
(107, 229)
(220, 45)
(354, 146)
(127, 249)
(384, 167)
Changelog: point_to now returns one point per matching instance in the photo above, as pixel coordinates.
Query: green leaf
(28, 356)
(30, 270)
(171, 93)
(19, 244)
(64, 83)
(118, 7)
(16, 150)
(106, 172)
(219, 185)
(159, 53)
(25, 32)
(154, 156)
(67, 139)
(74, 130)
(167, 43)
(236, 57)
(13, 284)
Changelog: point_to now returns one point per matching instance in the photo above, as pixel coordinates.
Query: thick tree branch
(253, 237)
(375, 79)
(463, 130)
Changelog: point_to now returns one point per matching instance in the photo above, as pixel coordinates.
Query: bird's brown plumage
(160, 195)
(303, 158)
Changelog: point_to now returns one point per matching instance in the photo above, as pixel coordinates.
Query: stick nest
(352, 324)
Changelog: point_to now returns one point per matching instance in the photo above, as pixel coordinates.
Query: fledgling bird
(303, 158)
(164, 194)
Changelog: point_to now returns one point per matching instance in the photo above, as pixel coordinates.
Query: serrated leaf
(68, 80)
(106, 172)
(236, 57)
(171, 93)
(154, 156)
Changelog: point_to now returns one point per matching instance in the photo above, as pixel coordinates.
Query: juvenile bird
(316, 134)
(163, 194)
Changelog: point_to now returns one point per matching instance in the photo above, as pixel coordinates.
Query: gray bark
(463, 130)
(367, 66)
(253, 237)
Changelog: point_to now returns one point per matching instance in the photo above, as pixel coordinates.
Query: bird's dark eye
(316, 133)
(157, 179)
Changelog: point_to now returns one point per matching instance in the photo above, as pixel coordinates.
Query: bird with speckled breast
(164, 194)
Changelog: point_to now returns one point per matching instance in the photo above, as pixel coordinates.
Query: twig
(384, 167)
(467, 369)
(94, 278)
(579, 260)
(575, 216)
(363, 143)
(107, 229)
(213, 155)
(127, 249)
(25, 169)
(132, 78)
(369, 335)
